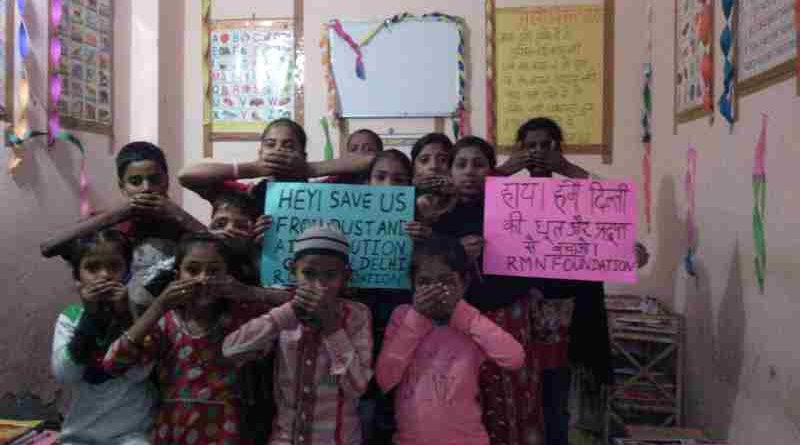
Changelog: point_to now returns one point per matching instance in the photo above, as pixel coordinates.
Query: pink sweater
(437, 369)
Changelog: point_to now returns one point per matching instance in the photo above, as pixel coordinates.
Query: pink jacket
(437, 369)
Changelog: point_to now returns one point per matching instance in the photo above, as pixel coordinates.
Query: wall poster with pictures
(254, 76)
(6, 60)
(85, 34)
(694, 59)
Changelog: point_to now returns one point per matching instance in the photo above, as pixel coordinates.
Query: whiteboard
(411, 70)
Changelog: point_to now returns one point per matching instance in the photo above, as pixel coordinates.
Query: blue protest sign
(371, 217)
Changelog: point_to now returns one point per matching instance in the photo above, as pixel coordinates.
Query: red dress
(200, 401)
(510, 399)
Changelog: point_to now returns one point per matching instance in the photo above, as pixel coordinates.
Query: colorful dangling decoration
(759, 205)
(326, 130)
(647, 115)
(726, 44)
(690, 187)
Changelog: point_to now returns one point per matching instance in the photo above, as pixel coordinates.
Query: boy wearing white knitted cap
(324, 346)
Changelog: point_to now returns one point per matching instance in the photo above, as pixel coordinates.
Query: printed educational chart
(767, 42)
(550, 62)
(373, 219)
(690, 87)
(574, 229)
(86, 37)
(252, 65)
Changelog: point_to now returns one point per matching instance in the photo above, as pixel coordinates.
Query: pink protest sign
(579, 229)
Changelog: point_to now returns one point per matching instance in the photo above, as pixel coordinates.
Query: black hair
(137, 152)
(395, 155)
(190, 240)
(541, 123)
(445, 247)
(377, 139)
(479, 143)
(296, 128)
(83, 246)
(430, 138)
(238, 200)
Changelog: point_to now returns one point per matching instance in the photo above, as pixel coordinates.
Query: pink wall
(743, 373)
(742, 366)
(42, 198)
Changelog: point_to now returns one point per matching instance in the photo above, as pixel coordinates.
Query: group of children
(175, 342)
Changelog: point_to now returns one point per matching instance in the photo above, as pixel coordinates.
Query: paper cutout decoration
(727, 43)
(760, 205)
(647, 116)
(690, 185)
(326, 130)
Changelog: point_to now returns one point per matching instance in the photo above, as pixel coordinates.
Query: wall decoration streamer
(704, 26)
(326, 130)
(759, 205)
(727, 43)
(647, 115)
(20, 131)
(336, 25)
(7, 21)
(690, 187)
(332, 93)
(491, 68)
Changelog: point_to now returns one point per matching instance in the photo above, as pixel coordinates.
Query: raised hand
(92, 295)
(418, 231)
(178, 293)
(262, 226)
(473, 245)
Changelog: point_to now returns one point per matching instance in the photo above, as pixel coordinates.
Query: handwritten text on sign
(372, 218)
(550, 62)
(560, 228)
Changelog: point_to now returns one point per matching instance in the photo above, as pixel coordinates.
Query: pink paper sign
(577, 229)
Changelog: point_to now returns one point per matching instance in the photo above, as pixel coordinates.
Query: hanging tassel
(759, 206)
(326, 130)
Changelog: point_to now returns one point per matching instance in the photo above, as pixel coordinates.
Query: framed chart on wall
(555, 61)
(767, 43)
(84, 65)
(6, 60)
(694, 59)
(253, 77)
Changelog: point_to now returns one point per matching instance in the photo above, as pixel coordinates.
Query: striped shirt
(318, 380)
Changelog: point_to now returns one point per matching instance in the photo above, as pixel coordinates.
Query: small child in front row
(434, 350)
(182, 332)
(324, 346)
(116, 410)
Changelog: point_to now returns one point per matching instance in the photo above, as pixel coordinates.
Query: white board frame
(383, 55)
